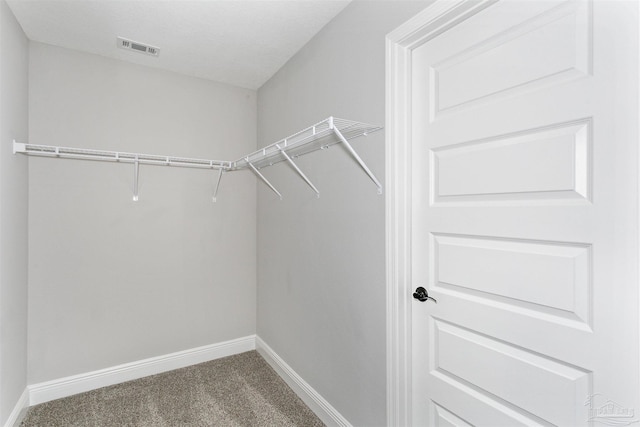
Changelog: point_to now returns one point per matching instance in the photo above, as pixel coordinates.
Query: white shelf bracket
(217, 186)
(136, 172)
(257, 172)
(358, 159)
(292, 163)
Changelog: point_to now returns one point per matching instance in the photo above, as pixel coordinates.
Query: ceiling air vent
(137, 47)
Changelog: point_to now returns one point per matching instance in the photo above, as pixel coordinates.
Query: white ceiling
(239, 42)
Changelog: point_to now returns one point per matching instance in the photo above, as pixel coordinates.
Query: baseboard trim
(19, 411)
(327, 413)
(68, 386)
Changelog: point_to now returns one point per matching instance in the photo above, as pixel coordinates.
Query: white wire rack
(117, 156)
(123, 157)
(319, 136)
(322, 135)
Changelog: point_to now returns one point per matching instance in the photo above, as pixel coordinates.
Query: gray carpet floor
(240, 390)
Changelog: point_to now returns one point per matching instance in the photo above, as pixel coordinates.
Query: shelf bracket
(136, 172)
(292, 163)
(358, 159)
(257, 172)
(217, 186)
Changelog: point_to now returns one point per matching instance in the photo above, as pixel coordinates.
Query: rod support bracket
(265, 180)
(136, 173)
(217, 186)
(297, 169)
(358, 159)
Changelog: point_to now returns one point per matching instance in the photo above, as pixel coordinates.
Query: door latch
(421, 294)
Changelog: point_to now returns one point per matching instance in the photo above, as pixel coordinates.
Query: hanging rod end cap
(379, 190)
(18, 147)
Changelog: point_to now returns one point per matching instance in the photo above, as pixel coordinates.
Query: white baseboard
(327, 413)
(68, 386)
(19, 411)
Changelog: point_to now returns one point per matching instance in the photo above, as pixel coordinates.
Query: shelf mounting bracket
(217, 186)
(257, 172)
(136, 172)
(357, 157)
(292, 163)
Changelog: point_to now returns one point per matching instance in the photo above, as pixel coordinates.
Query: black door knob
(421, 294)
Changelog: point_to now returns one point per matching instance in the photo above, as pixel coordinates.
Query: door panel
(445, 418)
(552, 279)
(524, 216)
(500, 370)
(548, 163)
(557, 43)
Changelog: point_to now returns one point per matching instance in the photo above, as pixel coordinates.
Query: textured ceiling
(239, 42)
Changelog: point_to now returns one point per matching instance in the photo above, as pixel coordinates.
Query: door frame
(432, 21)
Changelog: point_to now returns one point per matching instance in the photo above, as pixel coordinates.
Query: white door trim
(435, 19)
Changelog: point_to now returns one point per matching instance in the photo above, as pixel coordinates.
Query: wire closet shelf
(322, 135)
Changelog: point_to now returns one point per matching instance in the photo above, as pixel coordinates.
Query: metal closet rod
(319, 136)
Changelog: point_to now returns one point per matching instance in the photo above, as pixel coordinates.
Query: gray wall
(321, 264)
(114, 281)
(14, 62)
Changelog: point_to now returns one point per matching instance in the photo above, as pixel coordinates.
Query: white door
(524, 139)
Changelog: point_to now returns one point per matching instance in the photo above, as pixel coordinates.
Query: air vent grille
(137, 47)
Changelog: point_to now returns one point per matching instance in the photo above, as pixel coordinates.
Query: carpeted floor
(240, 390)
